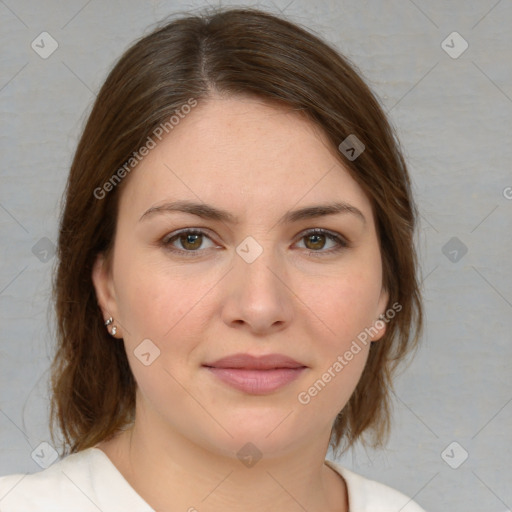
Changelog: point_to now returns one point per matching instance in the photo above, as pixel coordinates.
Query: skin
(257, 161)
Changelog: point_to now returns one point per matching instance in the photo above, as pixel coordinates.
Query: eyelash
(341, 241)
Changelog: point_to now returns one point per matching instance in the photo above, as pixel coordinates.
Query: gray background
(454, 119)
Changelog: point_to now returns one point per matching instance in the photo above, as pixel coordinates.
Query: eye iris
(316, 239)
(191, 239)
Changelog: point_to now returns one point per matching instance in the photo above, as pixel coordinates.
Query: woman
(236, 280)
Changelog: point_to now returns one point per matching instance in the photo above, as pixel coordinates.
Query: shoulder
(37, 491)
(83, 482)
(367, 495)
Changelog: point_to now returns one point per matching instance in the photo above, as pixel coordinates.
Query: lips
(256, 375)
(248, 362)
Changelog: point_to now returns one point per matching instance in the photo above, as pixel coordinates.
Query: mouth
(256, 375)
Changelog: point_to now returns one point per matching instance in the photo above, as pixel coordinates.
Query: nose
(258, 294)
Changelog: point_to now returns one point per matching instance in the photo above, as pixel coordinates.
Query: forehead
(239, 153)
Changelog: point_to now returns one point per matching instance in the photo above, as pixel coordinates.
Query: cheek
(171, 308)
(153, 298)
(346, 306)
(160, 309)
(329, 388)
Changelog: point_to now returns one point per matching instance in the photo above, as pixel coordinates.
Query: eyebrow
(207, 211)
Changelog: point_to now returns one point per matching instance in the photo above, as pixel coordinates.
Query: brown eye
(316, 240)
(191, 242)
(187, 242)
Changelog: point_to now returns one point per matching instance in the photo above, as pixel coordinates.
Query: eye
(315, 239)
(190, 240)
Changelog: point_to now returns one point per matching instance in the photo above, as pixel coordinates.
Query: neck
(171, 473)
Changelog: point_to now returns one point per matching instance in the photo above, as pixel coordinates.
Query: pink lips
(256, 375)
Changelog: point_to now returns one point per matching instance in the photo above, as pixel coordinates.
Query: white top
(88, 481)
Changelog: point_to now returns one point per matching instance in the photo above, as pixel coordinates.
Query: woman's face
(252, 280)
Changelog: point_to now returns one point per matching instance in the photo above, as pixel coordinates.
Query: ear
(379, 324)
(103, 285)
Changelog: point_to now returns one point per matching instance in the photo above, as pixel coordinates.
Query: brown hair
(228, 51)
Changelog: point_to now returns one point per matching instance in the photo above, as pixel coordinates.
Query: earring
(113, 331)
